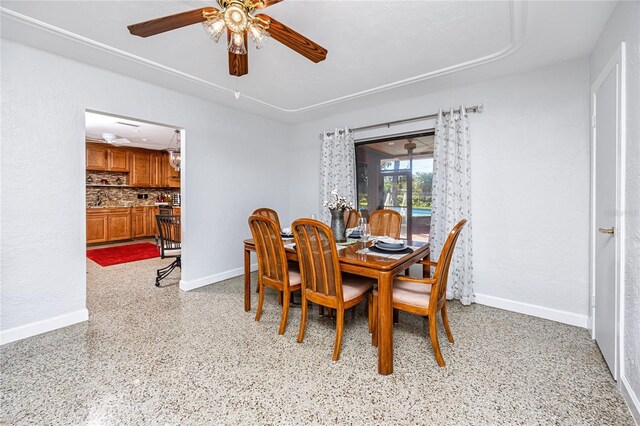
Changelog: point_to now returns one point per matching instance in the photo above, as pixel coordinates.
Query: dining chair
(351, 218)
(270, 213)
(273, 270)
(169, 242)
(322, 280)
(385, 222)
(425, 296)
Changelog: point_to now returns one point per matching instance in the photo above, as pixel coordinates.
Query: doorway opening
(396, 173)
(132, 179)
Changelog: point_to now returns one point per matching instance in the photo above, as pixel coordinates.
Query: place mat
(390, 255)
(339, 246)
(348, 242)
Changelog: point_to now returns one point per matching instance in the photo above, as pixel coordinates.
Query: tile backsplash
(115, 196)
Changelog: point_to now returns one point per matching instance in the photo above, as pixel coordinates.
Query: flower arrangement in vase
(337, 206)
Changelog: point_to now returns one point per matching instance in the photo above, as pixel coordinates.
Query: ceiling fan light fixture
(236, 44)
(258, 35)
(215, 27)
(236, 18)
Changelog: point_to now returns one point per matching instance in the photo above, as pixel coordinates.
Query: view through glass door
(397, 174)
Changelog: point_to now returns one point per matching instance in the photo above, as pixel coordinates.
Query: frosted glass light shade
(215, 28)
(236, 44)
(258, 35)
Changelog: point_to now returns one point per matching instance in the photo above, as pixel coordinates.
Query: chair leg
(320, 310)
(339, 329)
(369, 308)
(260, 301)
(374, 322)
(445, 320)
(395, 316)
(303, 320)
(433, 335)
(163, 272)
(280, 298)
(285, 311)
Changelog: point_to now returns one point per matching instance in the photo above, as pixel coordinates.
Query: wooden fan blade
(238, 64)
(168, 23)
(263, 4)
(295, 40)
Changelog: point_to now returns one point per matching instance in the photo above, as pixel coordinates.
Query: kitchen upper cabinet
(172, 175)
(139, 227)
(96, 228)
(140, 169)
(119, 224)
(97, 157)
(158, 171)
(118, 160)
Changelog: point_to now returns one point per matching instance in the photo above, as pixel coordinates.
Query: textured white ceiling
(157, 137)
(374, 47)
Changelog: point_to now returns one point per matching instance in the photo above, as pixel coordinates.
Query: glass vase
(337, 225)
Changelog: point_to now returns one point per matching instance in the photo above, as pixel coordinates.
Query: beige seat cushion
(410, 293)
(172, 253)
(353, 286)
(294, 278)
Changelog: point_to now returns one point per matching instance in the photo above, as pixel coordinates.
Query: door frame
(616, 64)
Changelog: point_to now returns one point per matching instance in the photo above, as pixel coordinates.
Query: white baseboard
(211, 279)
(534, 310)
(632, 399)
(39, 327)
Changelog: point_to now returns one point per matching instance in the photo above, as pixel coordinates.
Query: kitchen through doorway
(133, 199)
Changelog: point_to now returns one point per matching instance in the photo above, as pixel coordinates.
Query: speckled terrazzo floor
(160, 356)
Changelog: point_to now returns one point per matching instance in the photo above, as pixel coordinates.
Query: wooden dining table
(383, 269)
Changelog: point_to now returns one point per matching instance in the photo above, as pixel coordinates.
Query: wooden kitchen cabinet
(119, 224)
(118, 160)
(140, 169)
(97, 157)
(152, 226)
(97, 227)
(139, 227)
(158, 170)
(172, 177)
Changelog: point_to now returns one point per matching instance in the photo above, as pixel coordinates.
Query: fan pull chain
(237, 92)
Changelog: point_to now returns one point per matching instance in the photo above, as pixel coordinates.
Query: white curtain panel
(337, 168)
(452, 201)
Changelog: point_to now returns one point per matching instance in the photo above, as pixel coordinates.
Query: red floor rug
(123, 254)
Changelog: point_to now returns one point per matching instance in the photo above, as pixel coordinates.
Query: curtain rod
(475, 108)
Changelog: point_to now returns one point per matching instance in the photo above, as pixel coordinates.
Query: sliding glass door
(397, 174)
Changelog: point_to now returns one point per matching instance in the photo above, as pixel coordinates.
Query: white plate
(391, 248)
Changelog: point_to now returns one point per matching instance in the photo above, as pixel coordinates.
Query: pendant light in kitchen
(174, 153)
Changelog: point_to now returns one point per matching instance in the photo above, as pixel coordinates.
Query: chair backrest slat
(270, 213)
(318, 258)
(272, 259)
(441, 274)
(351, 218)
(385, 222)
(168, 232)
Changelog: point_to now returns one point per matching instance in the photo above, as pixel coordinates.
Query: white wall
(623, 25)
(233, 163)
(530, 179)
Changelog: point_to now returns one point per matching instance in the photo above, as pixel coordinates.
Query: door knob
(611, 230)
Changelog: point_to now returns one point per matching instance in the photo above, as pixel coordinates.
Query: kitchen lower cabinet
(119, 224)
(152, 225)
(108, 224)
(139, 227)
(97, 228)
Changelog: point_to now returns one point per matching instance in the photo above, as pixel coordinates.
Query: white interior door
(606, 133)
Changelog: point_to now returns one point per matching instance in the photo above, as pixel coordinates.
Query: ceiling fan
(111, 139)
(237, 19)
